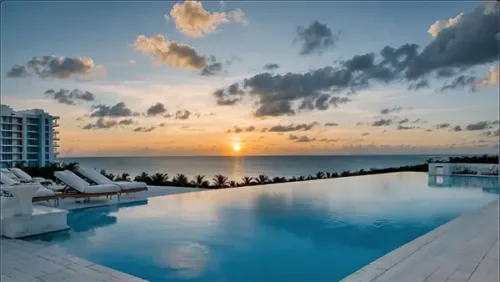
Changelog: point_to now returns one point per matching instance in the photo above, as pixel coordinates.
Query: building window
(32, 156)
(32, 128)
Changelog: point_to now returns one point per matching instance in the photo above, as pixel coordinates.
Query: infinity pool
(319, 230)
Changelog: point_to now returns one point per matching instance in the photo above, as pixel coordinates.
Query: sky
(257, 78)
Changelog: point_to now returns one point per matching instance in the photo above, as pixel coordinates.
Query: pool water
(320, 230)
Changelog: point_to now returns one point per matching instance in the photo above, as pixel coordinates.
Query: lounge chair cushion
(6, 179)
(93, 175)
(82, 186)
(44, 192)
(102, 188)
(21, 174)
(125, 185)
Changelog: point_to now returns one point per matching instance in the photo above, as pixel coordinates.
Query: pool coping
(469, 254)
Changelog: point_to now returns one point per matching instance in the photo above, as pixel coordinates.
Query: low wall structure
(446, 169)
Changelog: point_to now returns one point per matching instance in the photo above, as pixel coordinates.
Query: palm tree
(309, 177)
(334, 175)
(320, 175)
(345, 173)
(247, 181)
(233, 183)
(262, 179)
(301, 178)
(292, 179)
(199, 181)
(123, 177)
(220, 181)
(143, 177)
(180, 180)
(159, 179)
(279, 179)
(108, 175)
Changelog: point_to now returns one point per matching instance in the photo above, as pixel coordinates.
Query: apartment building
(28, 136)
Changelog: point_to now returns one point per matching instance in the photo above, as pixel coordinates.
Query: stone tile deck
(25, 261)
(464, 249)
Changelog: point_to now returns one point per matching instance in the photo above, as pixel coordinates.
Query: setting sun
(236, 147)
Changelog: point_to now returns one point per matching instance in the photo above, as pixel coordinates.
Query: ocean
(237, 167)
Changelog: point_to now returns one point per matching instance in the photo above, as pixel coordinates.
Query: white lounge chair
(82, 189)
(24, 177)
(125, 186)
(10, 181)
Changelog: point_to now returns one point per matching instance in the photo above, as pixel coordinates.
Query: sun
(236, 147)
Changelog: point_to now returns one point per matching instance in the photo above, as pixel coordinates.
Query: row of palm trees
(221, 181)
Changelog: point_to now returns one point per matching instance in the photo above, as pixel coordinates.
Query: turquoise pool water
(319, 230)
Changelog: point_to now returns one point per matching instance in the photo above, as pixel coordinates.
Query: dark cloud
(365, 134)
(101, 124)
(429, 130)
(162, 124)
(144, 129)
(70, 97)
(300, 138)
(387, 111)
(213, 67)
(327, 140)
(118, 110)
(456, 128)
(315, 39)
(229, 96)
(419, 85)
(460, 45)
(250, 129)
(478, 126)
(182, 114)
(382, 122)
(453, 50)
(442, 125)
(292, 127)
(18, 71)
(271, 66)
(403, 121)
(156, 109)
(52, 66)
(332, 124)
(335, 101)
(461, 82)
(402, 127)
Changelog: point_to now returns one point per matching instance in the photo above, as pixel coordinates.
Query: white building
(27, 136)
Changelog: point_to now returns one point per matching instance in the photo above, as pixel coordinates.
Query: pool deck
(25, 261)
(464, 249)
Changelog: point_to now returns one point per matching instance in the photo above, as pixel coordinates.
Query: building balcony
(56, 138)
(55, 145)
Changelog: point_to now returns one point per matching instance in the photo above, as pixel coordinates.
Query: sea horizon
(237, 167)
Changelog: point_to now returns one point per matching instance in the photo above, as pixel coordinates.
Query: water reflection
(489, 184)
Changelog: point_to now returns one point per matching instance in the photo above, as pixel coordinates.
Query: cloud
(271, 66)
(213, 67)
(365, 134)
(292, 127)
(194, 21)
(382, 122)
(237, 129)
(439, 25)
(126, 121)
(315, 39)
(18, 71)
(118, 110)
(419, 85)
(300, 138)
(162, 124)
(70, 97)
(52, 66)
(170, 53)
(442, 125)
(182, 114)
(387, 111)
(331, 124)
(132, 62)
(403, 121)
(402, 127)
(457, 128)
(455, 49)
(101, 123)
(328, 140)
(461, 82)
(156, 109)
(481, 125)
(491, 78)
(144, 129)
